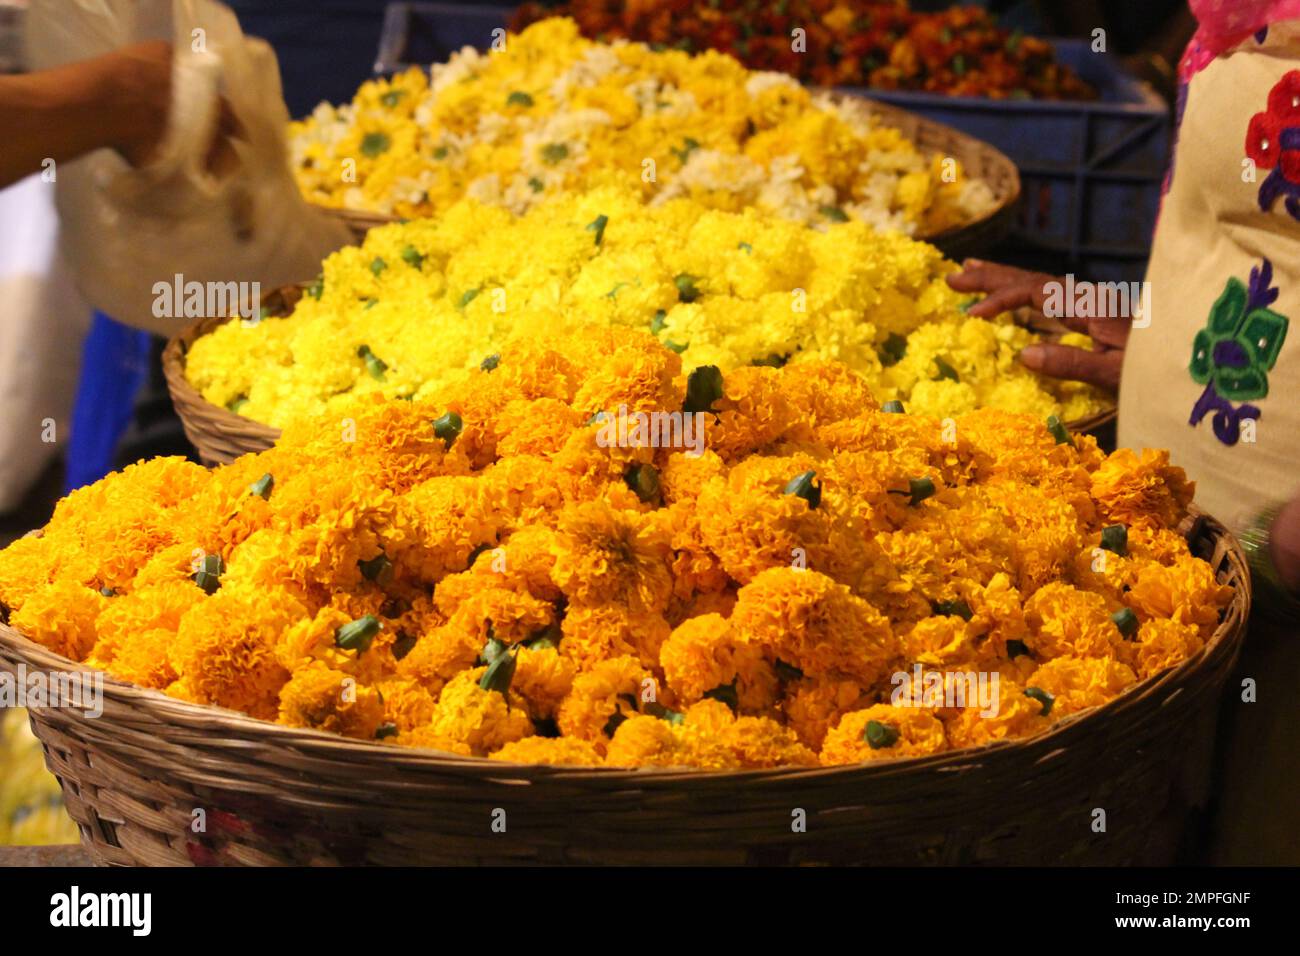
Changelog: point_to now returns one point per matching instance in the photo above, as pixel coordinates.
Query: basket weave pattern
(133, 779)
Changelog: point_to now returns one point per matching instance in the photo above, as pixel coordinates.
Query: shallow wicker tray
(978, 160)
(133, 778)
(221, 435)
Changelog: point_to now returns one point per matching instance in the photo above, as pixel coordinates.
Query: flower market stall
(663, 466)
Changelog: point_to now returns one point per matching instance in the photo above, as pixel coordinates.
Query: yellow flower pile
(31, 806)
(484, 573)
(546, 111)
(421, 304)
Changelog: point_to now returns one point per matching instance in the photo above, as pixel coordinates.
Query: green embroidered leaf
(1227, 311)
(1241, 384)
(1262, 335)
(1202, 364)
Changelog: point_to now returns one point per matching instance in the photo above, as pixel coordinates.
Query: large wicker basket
(134, 778)
(978, 160)
(220, 435)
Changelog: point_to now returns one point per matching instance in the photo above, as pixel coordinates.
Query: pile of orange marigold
(488, 573)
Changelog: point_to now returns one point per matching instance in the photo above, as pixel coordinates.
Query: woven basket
(133, 779)
(978, 160)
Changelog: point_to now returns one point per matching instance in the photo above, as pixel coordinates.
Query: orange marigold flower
(556, 751)
(1186, 591)
(1067, 622)
(320, 697)
(611, 691)
(591, 634)
(543, 678)
(61, 616)
(883, 732)
(812, 707)
(1078, 683)
(482, 720)
(1019, 715)
(1144, 489)
(808, 621)
(752, 414)
(224, 652)
(1162, 644)
(603, 556)
(645, 741)
(704, 655)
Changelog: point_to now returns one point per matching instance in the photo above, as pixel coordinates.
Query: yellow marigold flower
(557, 751)
(430, 310)
(320, 697)
(806, 620)
(1077, 683)
(883, 732)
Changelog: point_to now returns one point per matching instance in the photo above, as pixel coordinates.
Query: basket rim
(185, 395)
(1006, 188)
(174, 712)
(1009, 172)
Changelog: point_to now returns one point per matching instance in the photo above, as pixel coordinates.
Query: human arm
(119, 100)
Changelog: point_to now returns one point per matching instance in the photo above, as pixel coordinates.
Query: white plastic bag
(126, 230)
(41, 331)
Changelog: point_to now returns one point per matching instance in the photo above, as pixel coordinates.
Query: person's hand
(1009, 288)
(141, 75)
(140, 93)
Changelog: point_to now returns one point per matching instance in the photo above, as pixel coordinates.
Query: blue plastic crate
(1090, 171)
(420, 34)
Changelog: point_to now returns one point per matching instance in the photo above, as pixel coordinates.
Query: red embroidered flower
(1291, 164)
(1284, 98)
(1263, 137)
